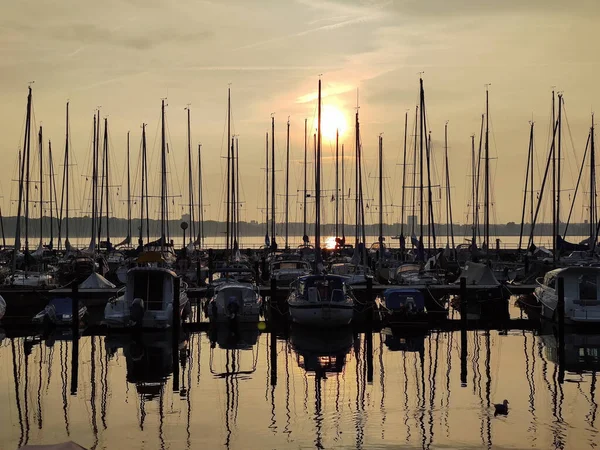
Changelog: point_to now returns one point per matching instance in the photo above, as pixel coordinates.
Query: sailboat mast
(228, 166)
(200, 200)
(237, 194)
(233, 196)
(474, 188)
(21, 178)
(592, 183)
(273, 229)
(356, 185)
(287, 185)
(380, 197)
(190, 177)
(128, 192)
(67, 179)
(51, 184)
(343, 195)
(337, 181)
(403, 175)
(558, 164)
(554, 178)
(529, 163)
(421, 159)
(143, 193)
(304, 208)
(41, 201)
(414, 173)
(487, 171)
(163, 187)
(106, 164)
(318, 187)
(450, 220)
(267, 243)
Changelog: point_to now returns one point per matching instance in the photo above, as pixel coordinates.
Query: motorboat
(59, 312)
(147, 299)
(286, 271)
(582, 296)
(353, 273)
(400, 304)
(321, 301)
(412, 273)
(235, 301)
(21, 278)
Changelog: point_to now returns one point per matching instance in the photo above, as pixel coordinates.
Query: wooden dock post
(463, 331)
(175, 327)
(211, 256)
(370, 309)
(273, 297)
(560, 309)
(273, 357)
(75, 331)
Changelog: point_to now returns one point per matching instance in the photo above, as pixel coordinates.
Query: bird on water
(501, 409)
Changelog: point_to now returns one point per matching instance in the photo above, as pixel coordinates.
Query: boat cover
(96, 281)
(63, 446)
(477, 273)
(397, 298)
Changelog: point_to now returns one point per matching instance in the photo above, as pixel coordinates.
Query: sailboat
(149, 295)
(320, 300)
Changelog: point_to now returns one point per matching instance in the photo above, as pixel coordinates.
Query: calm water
(323, 392)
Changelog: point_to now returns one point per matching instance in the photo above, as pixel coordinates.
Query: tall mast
(337, 183)
(558, 171)
(200, 200)
(267, 243)
(94, 182)
(356, 185)
(487, 171)
(228, 164)
(287, 185)
(41, 156)
(144, 194)
(450, 223)
(51, 184)
(128, 193)
(273, 229)
(190, 178)
(233, 196)
(237, 193)
(421, 133)
(474, 193)
(403, 175)
(106, 165)
(414, 173)
(318, 188)
(554, 178)
(380, 197)
(26, 139)
(67, 180)
(343, 195)
(163, 171)
(27, 183)
(592, 184)
(304, 231)
(527, 175)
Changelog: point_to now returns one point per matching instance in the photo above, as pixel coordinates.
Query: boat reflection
(396, 342)
(149, 360)
(581, 351)
(321, 351)
(233, 336)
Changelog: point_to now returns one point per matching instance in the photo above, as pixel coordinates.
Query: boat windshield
(318, 290)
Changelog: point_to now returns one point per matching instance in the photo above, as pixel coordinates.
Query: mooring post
(273, 296)
(175, 327)
(211, 256)
(560, 307)
(75, 331)
(199, 279)
(263, 268)
(370, 309)
(463, 331)
(273, 357)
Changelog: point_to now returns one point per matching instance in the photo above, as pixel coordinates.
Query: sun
(332, 120)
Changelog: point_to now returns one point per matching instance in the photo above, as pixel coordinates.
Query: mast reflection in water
(242, 389)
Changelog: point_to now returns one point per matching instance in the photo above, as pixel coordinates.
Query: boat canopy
(477, 273)
(396, 298)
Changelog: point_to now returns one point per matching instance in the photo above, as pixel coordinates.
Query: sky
(125, 56)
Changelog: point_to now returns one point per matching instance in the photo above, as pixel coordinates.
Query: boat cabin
(154, 285)
(581, 284)
(399, 299)
(318, 288)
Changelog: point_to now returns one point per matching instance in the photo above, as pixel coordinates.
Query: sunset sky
(126, 55)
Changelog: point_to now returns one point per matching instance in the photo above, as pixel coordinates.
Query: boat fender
(137, 311)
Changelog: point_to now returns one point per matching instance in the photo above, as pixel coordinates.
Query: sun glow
(330, 242)
(332, 120)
